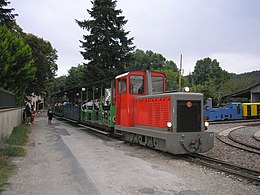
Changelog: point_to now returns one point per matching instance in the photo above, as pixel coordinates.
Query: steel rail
(249, 174)
(234, 121)
(230, 136)
(242, 147)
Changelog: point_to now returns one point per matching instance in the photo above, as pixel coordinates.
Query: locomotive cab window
(157, 84)
(122, 86)
(136, 84)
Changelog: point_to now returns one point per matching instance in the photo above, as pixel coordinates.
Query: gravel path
(64, 159)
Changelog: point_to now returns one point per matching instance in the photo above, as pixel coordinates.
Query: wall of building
(9, 118)
(255, 94)
(255, 97)
(37, 102)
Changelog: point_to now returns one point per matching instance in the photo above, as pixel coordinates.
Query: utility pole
(180, 73)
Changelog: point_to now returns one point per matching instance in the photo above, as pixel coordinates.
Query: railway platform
(65, 158)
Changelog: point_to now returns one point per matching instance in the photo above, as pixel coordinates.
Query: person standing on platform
(50, 115)
(28, 111)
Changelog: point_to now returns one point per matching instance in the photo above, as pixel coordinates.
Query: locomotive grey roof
(252, 93)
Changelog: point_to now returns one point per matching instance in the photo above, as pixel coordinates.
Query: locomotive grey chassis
(187, 133)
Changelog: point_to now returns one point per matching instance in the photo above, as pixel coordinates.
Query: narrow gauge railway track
(235, 121)
(247, 173)
(236, 144)
(245, 137)
(106, 136)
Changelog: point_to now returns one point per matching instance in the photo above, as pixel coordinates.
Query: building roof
(242, 94)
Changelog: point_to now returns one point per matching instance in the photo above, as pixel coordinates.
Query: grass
(12, 148)
(19, 136)
(14, 151)
(6, 170)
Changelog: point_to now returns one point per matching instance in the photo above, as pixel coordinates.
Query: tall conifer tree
(6, 16)
(106, 46)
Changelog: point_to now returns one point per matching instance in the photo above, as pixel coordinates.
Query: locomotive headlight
(186, 89)
(206, 123)
(169, 124)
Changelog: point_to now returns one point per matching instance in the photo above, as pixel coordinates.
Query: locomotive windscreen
(188, 116)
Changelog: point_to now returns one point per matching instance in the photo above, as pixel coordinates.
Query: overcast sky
(226, 30)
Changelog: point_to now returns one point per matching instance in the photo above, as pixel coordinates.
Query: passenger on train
(84, 106)
(96, 104)
(90, 104)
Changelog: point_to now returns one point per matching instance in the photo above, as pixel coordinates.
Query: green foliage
(6, 16)
(45, 57)
(106, 46)
(209, 90)
(169, 64)
(140, 60)
(56, 85)
(6, 170)
(252, 77)
(16, 64)
(19, 136)
(76, 76)
(240, 82)
(208, 78)
(14, 151)
(172, 81)
(206, 70)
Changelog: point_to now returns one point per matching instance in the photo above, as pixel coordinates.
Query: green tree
(45, 57)
(56, 85)
(140, 60)
(172, 79)
(207, 69)
(16, 63)
(75, 76)
(106, 46)
(6, 16)
(169, 64)
(208, 78)
(240, 82)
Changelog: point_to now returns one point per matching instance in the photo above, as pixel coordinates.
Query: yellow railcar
(251, 110)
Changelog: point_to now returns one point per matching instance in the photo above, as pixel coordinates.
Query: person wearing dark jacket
(50, 115)
(28, 111)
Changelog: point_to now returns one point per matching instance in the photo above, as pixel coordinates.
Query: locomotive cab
(131, 85)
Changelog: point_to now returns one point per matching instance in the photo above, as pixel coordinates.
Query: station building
(252, 94)
(36, 101)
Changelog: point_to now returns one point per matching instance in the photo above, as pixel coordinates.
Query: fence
(7, 99)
